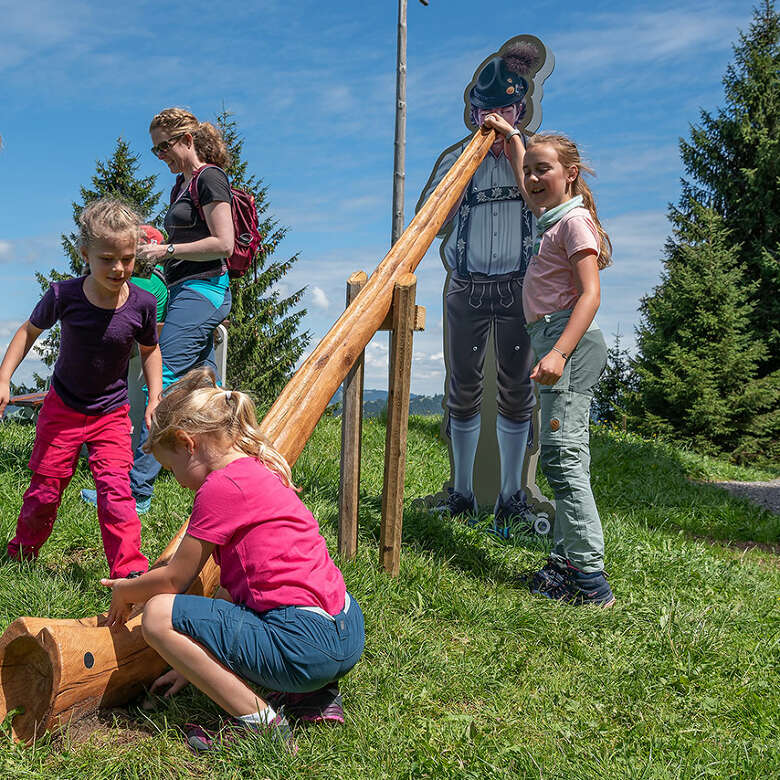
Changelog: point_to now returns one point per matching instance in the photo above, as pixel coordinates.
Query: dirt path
(765, 494)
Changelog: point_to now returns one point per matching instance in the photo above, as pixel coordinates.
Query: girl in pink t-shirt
(282, 619)
(561, 294)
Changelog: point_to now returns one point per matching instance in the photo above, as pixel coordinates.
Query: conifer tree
(698, 357)
(611, 394)
(264, 343)
(733, 160)
(116, 177)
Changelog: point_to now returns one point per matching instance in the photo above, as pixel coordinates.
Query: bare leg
(194, 662)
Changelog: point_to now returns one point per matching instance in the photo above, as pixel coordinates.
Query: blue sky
(312, 85)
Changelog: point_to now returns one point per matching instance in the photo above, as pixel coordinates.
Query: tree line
(707, 367)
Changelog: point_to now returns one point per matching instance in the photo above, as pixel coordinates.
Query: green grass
(465, 674)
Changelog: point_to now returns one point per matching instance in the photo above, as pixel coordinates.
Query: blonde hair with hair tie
(568, 155)
(208, 140)
(106, 218)
(197, 406)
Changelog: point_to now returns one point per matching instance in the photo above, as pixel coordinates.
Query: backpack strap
(193, 188)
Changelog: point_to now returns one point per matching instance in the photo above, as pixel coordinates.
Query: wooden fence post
(351, 429)
(404, 317)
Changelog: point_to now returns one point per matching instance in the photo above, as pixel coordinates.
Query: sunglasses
(163, 146)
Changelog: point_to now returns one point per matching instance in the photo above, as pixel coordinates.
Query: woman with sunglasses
(199, 240)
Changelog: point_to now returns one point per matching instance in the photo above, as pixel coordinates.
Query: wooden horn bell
(52, 671)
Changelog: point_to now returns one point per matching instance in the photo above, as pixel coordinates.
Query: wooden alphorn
(53, 671)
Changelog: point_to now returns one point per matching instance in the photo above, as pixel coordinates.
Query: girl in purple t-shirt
(283, 619)
(101, 316)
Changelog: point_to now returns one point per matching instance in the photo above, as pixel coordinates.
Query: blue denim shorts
(289, 649)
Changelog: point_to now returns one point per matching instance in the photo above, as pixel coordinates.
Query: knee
(43, 490)
(560, 464)
(157, 617)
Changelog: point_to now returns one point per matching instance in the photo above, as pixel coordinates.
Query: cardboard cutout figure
(487, 242)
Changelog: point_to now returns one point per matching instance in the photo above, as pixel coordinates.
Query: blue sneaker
(515, 516)
(142, 506)
(456, 505)
(592, 588)
(550, 580)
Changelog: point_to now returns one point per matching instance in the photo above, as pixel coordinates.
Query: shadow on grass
(447, 540)
(656, 485)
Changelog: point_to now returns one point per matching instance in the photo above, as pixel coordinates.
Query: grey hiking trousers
(565, 442)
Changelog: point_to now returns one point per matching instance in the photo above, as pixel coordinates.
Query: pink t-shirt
(550, 283)
(269, 547)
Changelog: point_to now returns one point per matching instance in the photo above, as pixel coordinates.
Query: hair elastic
(227, 395)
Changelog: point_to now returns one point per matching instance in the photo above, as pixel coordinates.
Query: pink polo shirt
(550, 283)
(269, 547)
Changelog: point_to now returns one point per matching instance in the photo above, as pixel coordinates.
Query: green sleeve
(156, 286)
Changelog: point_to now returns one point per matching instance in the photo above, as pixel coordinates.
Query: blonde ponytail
(198, 407)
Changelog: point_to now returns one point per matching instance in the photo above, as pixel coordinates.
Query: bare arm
(20, 345)
(219, 244)
(176, 577)
(515, 151)
(151, 362)
(550, 368)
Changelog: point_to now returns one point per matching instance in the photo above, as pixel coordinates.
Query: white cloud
(30, 365)
(655, 35)
(319, 298)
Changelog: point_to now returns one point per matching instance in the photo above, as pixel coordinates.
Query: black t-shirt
(184, 224)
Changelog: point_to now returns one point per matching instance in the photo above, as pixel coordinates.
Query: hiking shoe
(322, 706)
(591, 588)
(457, 505)
(142, 505)
(515, 516)
(550, 580)
(201, 740)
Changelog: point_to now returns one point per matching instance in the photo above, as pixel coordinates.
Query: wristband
(511, 133)
(560, 352)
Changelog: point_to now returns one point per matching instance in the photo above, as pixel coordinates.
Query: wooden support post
(351, 429)
(404, 318)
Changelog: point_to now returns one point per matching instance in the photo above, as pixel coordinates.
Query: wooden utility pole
(399, 168)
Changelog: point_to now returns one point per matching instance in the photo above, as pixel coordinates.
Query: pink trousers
(60, 433)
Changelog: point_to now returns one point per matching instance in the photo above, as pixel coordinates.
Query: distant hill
(375, 402)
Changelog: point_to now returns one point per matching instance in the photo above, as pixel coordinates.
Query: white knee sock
(465, 437)
(512, 443)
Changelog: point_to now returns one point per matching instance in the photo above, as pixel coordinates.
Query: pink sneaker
(201, 740)
(322, 706)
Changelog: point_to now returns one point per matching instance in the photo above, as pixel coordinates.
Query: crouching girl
(286, 622)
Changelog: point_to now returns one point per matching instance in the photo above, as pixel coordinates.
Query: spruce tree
(610, 396)
(733, 160)
(698, 355)
(116, 178)
(264, 343)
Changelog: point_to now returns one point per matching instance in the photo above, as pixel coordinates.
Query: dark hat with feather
(502, 80)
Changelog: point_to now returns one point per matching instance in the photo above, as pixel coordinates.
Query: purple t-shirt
(90, 374)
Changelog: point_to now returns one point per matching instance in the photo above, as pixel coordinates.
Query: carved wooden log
(56, 670)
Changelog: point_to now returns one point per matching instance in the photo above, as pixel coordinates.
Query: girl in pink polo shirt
(283, 619)
(561, 294)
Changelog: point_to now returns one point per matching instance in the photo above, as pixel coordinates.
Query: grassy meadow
(465, 674)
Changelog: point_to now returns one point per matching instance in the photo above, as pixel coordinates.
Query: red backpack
(248, 237)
